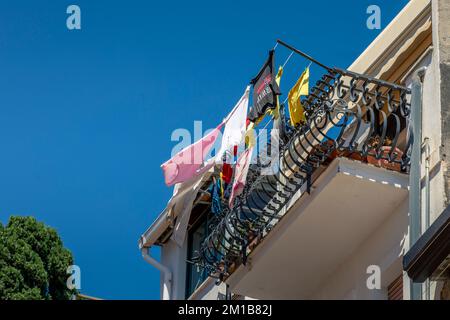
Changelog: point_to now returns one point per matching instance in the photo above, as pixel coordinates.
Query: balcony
(349, 116)
(320, 231)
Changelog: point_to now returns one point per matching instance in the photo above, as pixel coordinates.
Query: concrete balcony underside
(319, 231)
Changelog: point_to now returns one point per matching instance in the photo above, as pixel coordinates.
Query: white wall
(174, 258)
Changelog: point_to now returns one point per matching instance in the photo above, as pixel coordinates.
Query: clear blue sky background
(86, 116)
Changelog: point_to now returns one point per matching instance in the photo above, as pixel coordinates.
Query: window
(395, 289)
(196, 234)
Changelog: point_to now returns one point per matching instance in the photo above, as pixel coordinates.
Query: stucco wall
(441, 41)
(384, 248)
(174, 258)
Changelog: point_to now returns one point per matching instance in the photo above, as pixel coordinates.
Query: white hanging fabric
(183, 207)
(235, 125)
(180, 205)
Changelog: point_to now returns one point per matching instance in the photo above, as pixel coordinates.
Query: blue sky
(86, 115)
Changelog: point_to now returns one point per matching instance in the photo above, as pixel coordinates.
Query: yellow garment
(301, 88)
(221, 185)
(250, 139)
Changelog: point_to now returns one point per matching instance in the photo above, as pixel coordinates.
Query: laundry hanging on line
(216, 202)
(190, 162)
(301, 88)
(235, 126)
(227, 172)
(180, 206)
(240, 178)
(274, 112)
(265, 89)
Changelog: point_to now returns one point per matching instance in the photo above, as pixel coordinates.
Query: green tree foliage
(33, 261)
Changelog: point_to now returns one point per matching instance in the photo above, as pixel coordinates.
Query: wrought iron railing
(347, 114)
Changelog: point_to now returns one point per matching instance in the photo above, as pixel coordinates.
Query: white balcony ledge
(319, 231)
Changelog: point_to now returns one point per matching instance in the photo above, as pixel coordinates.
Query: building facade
(357, 187)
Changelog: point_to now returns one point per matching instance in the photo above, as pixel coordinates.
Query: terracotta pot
(333, 155)
(383, 163)
(205, 197)
(329, 144)
(353, 156)
(357, 156)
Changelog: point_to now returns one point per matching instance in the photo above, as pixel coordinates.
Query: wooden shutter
(395, 289)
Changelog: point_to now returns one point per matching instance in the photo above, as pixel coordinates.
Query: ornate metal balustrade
(347, 114)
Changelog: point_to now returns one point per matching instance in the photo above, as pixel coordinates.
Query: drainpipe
(227, 292)
(426, 147)
(167, 274)
(415, 203)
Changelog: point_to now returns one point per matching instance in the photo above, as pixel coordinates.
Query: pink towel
(241, 172)
(189, 162)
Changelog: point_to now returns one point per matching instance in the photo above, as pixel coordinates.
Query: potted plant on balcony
(385, 150)
(343, 152)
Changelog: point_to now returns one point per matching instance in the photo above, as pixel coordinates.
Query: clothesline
(287, 60)
(289, 57)
(303, 55)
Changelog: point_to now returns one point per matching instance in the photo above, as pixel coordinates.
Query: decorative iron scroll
(347, 114)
